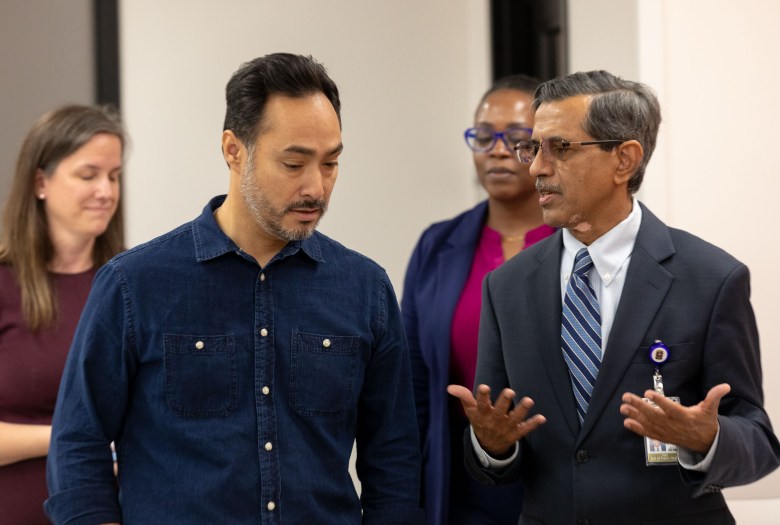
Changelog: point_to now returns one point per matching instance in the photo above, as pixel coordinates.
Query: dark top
(234, 393)
(31, 364)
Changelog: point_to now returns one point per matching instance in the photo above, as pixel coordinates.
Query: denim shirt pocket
(200, 375)
(323, 373)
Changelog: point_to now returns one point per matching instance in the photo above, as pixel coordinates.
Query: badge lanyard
(656, 452)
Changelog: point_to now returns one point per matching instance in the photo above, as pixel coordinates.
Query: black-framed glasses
(552, 148)
(482, 139)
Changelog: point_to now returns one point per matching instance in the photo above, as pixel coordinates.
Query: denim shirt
(234, 393)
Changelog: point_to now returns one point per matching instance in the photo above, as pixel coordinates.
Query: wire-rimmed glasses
(483, 139)
(552, 148)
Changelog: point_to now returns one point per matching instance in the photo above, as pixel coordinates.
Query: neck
(610, 216)
(514, 219)
(237, 223)
(74, 256)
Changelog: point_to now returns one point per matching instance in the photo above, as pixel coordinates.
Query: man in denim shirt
(235, 359)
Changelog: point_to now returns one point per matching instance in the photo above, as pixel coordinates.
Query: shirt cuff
(485, 459)
(691, 460)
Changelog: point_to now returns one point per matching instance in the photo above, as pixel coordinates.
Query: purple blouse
(465, 321)
(31, 364)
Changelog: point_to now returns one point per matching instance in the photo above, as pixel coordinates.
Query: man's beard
(270, 219)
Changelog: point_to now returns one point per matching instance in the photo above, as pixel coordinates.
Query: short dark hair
(249, 88)
(620, 109)
(517, 82)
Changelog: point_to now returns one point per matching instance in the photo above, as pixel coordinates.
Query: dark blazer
(691, 295)
(435, 277)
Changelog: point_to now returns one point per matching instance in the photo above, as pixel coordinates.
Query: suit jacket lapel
(544, 299)
(647, 283)
(452, 269)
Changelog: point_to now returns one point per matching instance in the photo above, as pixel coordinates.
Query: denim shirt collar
(211, 242)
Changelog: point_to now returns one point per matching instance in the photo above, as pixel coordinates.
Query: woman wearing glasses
(442, 299)
(62, 221)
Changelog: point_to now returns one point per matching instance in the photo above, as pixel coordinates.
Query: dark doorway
(528, 36)
(106, 27)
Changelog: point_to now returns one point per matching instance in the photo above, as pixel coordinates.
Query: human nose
(501, 147)
(106, 188)
(540, 165)
(314, 186)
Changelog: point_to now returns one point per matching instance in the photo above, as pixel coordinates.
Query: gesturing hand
(498, 426)
(692, 427)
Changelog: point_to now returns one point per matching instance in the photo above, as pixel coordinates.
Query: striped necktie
(581, 332)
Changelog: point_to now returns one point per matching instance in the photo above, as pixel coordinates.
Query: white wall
(713, 65)
(410, 74)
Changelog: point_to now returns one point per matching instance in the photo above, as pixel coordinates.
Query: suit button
(583, 521)
(582, 456)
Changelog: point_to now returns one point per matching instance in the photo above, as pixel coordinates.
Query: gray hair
(620, 109)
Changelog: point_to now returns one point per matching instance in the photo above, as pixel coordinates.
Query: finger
(505, 400)
(666, 405)
(530, 424)
(716, 393)
(629, 410)
(632, 399)
(634, 426)
(520, 412)
(463, 394)
(643, 413)
(634, 406)
(639, 413)
(483, 398)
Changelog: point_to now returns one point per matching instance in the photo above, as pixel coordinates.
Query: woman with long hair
(62, 221)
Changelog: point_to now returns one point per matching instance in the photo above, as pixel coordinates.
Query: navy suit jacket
(435, 277)
(688, 293)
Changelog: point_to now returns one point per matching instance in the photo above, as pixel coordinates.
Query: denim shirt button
(199, 345)
(264, 332)
(269, 447)
(266, 390)
(262, 277)
(326, 343)
(271, 505)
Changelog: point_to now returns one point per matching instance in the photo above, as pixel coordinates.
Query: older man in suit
(567, 328)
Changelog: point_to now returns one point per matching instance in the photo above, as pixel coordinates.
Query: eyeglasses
(553, 148)
(483, 140)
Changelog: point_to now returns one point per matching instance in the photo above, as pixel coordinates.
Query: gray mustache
(546, 187)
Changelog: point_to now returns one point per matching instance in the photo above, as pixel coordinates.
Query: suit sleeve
(747, 448)
(491, 371)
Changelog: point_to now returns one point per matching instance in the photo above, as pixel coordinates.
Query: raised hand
(692, 427)
(498, 426)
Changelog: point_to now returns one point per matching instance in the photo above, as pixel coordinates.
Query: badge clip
(658, 453)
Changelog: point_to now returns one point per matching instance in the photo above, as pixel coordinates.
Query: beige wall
(713, 65)
(409, 72)
(47, 60)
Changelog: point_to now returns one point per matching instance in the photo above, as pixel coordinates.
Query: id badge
(658, 453)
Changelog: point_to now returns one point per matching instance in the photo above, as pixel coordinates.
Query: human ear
(629, 157)
(233, 150)
(40, 183)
